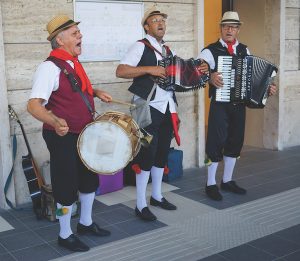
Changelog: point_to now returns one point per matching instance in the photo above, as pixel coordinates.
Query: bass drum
(107, 145)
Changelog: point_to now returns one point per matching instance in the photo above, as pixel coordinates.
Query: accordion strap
(145, 42)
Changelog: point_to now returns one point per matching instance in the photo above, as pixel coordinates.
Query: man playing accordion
(226, 122)
(141, 64)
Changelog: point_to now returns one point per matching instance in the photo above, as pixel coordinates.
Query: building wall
(289, 120)
(257, 33)
(271, 30)
(25, 46)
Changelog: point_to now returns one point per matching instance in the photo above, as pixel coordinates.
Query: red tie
(229, 47)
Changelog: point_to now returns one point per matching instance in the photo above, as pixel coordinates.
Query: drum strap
(74, 83)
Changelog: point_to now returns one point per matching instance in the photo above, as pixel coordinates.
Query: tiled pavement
(262, 225)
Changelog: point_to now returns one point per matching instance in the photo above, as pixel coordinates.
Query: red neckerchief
(229, 46)
(85, 82)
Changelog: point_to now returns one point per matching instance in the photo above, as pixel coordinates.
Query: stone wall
(25, 47)
(289, 120)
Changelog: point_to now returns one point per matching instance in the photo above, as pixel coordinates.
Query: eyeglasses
(232, 27)
(156, 20)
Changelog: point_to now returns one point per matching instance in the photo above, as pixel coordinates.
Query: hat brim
(53, 34)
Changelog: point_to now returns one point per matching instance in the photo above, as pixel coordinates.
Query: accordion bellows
(182, 75)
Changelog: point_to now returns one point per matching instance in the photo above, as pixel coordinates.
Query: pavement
(262, 225)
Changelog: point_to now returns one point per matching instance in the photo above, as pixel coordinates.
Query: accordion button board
(182, 74)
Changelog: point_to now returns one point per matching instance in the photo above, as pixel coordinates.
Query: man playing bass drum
(65, 113)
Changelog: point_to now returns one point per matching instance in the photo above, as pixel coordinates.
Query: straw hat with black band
(58, 24)
(151, 12)
(230, 17)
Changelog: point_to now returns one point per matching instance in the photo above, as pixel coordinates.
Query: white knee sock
(86, 201)
(211, 173)
(229, 164)
(156, 175)
(141, 186)
(65, 222)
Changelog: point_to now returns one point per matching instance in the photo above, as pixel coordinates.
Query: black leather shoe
(145, 214)
(73, 243)
(233, 187)
(165, 204)
(212, 192)
(93, 229)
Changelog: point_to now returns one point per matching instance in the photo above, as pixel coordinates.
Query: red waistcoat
(69, 105)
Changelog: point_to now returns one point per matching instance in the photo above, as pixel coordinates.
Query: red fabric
(85, 82)
(166, 170)
(175, 122)
(136, 168)
(229, 46)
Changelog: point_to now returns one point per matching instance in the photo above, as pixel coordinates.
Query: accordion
(182, 75)
(246, 80)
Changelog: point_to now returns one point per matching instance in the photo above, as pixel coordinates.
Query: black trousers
(68, 174)
(157, 153)
(226, 128)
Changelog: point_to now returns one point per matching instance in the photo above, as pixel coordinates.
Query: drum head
(104, 147)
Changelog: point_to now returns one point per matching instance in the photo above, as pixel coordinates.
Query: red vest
(69, 105)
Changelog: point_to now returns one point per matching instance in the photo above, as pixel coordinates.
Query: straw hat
(230, 18)
(58, 24)
(151, 12)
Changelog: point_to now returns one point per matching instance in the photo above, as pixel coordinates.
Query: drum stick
(55, 118)
(123, 103)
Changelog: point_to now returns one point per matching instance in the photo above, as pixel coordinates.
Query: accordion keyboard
(228, 74)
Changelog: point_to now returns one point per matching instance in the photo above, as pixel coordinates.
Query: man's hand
(102, 95)
(216, 79)
(61, 126)
(203, 68)
(157, 71)
(272, 89)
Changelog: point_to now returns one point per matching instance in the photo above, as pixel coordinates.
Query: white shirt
(133, 56)
(208, 57)
(46, 81)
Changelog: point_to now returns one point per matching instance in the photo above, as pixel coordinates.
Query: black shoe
(233, 187)
(73, 243)
(145, 214)
(213, 192)
(93, 229)
(165, 204)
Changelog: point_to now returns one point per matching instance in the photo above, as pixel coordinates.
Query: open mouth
(78, 45)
